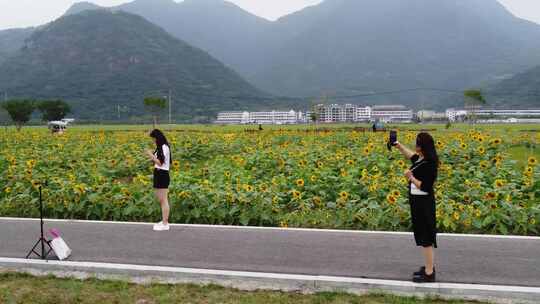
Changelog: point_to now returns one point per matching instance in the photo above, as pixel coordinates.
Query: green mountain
(11, 40)
(221, 28)
(359, 47)
(521, 90)
(98, 60)
(351, 47)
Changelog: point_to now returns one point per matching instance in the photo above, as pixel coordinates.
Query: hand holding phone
(392, 141)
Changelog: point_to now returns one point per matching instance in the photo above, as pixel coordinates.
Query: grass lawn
(18, 288)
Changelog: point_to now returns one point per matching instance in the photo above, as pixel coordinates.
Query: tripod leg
(33, 249)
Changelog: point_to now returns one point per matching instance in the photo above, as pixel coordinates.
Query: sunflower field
(288, 178)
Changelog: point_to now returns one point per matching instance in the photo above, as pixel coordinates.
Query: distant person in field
(161, 157)
(422, 176)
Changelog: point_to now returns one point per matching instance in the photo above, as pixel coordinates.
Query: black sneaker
(424, 278)
(421, 271)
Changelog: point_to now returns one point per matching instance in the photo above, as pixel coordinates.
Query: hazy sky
(22, 13)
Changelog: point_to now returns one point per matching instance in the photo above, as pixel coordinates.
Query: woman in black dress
(422, 176)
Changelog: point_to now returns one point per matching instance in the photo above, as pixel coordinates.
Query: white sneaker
(161, 227)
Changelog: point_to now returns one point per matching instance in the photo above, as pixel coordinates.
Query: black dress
(423, 216)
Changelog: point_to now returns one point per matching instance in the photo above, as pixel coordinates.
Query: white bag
(59, 246)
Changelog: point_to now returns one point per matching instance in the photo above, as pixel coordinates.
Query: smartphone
(393, 137)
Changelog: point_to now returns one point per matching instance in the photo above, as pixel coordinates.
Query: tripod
(42, 240)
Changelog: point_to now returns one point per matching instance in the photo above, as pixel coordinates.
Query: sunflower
(350, 162)
(227, 174)
(401, 163)
(300, 182)
(263, 187)
(528, 171)
(499, 183)
(466, 198)
(176, 164)
(79, 189)
(463, 146)
(35, 184)
(7, 190)
(319, 164)
(532, 161)
(296, 194)
(396, 193)
(317, 200)
(248, 188)
(112, 162)
(496, 141)
(467, 157)
(302, 163)
(484, 164)
(491, 195)
(391, 199)
(344, 195)
(455, 216)
(366, 151)
(481, 150)
(313, 178)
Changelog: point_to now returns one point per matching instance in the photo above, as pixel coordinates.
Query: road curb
(271, 281)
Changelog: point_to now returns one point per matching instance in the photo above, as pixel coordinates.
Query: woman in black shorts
(161, 158)
(422, 176)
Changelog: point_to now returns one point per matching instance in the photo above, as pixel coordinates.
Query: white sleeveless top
(167, 163)
(414, 189)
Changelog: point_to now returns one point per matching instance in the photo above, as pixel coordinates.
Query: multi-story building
(233, 118)
(275, 117)
(392, 113)
(342, 113)
(268, 117)
(483, 114)
(363, 114)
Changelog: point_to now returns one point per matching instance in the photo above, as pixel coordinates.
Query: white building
(431, 115)
(232, 118)
(275, 117)
(392, 113)
(342, 113)
(363, 114)
(510, 115)
(265, 118)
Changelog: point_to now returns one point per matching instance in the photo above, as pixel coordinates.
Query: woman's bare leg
(162, 196)
(429, 258)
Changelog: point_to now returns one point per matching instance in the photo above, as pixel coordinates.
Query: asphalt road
(476, 260)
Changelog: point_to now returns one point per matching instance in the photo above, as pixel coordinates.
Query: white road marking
(514, 237)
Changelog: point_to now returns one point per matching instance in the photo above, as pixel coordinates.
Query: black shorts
(161, 179)
(424, 220)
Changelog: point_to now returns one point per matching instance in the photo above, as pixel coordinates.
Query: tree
(473, 98)
(19, 111)
(155, 105)
(53, 109)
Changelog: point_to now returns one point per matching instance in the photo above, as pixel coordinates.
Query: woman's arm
(404, 150)
(153, 158)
